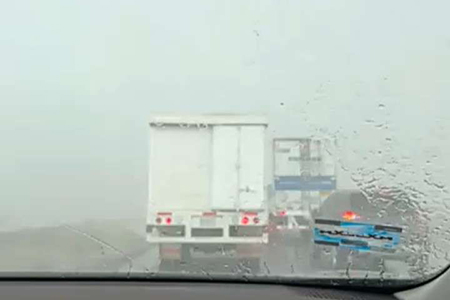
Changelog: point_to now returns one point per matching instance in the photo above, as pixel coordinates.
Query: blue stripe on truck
(357, 236)
(303, 183)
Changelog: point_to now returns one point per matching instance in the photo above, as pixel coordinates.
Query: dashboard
(171, 290)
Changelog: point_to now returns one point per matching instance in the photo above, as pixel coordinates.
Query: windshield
(257, 139)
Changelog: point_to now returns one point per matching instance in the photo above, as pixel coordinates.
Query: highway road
(118, 247)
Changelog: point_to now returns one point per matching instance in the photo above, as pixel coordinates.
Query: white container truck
(304, 171)
(206, 188)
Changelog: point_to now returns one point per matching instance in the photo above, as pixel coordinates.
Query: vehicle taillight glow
(282, 213)
(350, 216)
(168, 221)
(158, 220)
(245, 220)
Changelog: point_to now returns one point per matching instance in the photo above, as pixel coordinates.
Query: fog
(79, 80)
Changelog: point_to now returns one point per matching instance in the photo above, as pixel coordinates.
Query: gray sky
(78, 80)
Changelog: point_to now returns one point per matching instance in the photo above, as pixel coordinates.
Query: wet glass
(283, 126)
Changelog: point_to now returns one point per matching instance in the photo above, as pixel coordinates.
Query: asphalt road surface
(119, 247)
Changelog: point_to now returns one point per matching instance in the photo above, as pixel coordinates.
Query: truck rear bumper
(210, 240)
(212, 235)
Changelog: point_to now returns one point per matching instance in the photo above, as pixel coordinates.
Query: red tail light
(282, 213)
(168, 220)
(350, 216)
(245, 220)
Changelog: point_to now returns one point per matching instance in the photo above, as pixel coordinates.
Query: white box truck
(206, 188)
(304, 171)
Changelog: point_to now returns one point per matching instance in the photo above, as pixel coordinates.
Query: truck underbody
(290, 227)
(194, 241)
(192, 257)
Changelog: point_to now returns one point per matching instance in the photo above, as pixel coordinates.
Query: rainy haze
(297, 139)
